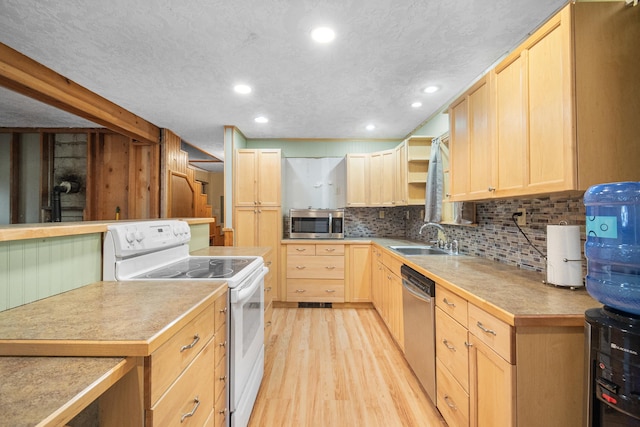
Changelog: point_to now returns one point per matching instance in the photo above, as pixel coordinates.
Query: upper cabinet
(357, 180)
(557, 114)
(257, 177)
(418, 154)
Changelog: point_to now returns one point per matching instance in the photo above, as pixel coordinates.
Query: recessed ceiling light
(371, 127)
(431, 89)
(416, 104)
(323, 34)
(242, 89)
(261, 119)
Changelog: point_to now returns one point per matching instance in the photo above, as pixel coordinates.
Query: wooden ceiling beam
(28, 77)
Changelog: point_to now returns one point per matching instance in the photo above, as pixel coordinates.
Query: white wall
(316, 183)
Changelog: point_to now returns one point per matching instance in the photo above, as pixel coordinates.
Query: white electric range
(159, 250)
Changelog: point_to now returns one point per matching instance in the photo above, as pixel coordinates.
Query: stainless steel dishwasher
(418, 301)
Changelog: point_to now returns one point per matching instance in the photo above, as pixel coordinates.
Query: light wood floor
(337, 367)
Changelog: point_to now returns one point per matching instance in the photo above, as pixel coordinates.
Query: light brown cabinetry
(269, 292)
(357, 179)
(257, 213)
(418, 155)
(358, 274)
(381, 178)
(491, 373)
(471, 144)
(186, 376)
(557, 122)
(315, 272)
(400, 190)
(386, 289)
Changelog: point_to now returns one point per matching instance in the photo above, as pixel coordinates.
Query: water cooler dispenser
(612, 332)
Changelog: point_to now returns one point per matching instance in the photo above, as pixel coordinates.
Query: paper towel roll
(564, 260)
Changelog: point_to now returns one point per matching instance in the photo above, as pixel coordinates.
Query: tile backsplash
(494, 237)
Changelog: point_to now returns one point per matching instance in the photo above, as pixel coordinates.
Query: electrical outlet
(381, 214)
(522, 219)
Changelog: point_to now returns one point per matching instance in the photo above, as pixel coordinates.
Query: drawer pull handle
(196, 338)
(196, 401)
(223, 310)
(450, 403)
(268, 323)
(223, 344)
(330, 249)
(301, 249)
(330, 290)
(488, 331)
(446, 344)
(330, 267)
(450, 304)
(268, 263)
(300, 291)
(300, 267)
(267, 289)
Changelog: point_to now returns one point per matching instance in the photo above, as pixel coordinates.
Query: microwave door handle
(330, 223)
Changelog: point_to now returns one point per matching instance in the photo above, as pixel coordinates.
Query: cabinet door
(480, 144)
(269, 177)
(551, 143)
(492, 387)
(387, 178)
(245, 177)
(511, 138)
(375, 179)
(396, 316)
(459, 150)
(357, 180)
(246, 226)
(359, 273)
(400, 174)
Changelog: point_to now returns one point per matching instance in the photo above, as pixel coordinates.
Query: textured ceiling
(175, 63)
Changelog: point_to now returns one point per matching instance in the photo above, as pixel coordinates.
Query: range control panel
(135, 238)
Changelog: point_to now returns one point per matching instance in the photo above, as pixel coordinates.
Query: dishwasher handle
(415, 291)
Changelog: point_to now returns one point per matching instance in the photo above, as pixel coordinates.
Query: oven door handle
(241, 294)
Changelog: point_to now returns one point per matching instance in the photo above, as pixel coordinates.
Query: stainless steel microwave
(316, 223)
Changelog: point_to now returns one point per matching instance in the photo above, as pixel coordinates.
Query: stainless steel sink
(419, 250)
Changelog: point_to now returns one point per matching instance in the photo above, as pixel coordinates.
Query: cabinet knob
(223, 344)
(491, 188)
(223, 310)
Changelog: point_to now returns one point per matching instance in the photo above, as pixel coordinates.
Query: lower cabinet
(186, 377)
(315, 272)
(386, 292)
(489, 373)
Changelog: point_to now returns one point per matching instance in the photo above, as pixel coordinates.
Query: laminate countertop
(518, 297)
(105, 318)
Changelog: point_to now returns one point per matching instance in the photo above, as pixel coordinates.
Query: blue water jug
(612, 247)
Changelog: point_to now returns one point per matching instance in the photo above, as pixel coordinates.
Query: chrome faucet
(442, 243)
(438, 226)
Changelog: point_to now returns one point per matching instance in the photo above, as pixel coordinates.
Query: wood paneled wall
(181, 195)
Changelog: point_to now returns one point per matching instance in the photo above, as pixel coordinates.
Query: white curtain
(435, 185)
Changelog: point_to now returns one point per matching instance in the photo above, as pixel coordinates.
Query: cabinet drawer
(492, 331)
(452, 400)
(220, 411)
(220, 342)
(221, 310)
(220, 378)
(301, 249)
(268, 292)
(392, 263)
(268, 314)
(316, 267)
(315, 290)
(452, 304)
(165, 364)
(451, 347)
(180, 399)
(333, 250)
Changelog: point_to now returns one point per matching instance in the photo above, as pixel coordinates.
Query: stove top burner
(199, 268)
